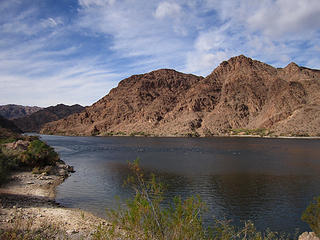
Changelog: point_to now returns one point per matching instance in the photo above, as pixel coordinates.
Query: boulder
(308, 236)
(18, 145)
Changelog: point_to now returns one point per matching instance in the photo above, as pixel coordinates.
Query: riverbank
(27, 206)
(191, 136)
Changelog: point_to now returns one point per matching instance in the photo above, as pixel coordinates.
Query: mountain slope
(7, 128)
(35, 121)
(12, 111)
(239, 93)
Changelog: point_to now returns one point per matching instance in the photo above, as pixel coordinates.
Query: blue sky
(75, 51)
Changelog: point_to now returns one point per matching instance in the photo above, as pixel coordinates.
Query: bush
(38, 154)
(312, 216)
(7, 163)
(193, 134)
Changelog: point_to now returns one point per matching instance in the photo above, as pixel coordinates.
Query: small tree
(312, 216)
(145, 218)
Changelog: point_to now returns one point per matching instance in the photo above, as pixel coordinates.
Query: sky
(75, 51)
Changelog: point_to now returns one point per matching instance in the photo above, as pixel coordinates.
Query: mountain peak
(292, 65)
(233, 64)
(240, 93)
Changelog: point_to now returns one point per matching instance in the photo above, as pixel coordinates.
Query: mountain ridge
(240, 93)
(12, 111)
(34, 121)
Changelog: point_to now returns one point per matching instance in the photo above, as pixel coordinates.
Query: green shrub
(38, 154)
(7, 140)
(7, 163)
(120, 133)
(193, 134)
(312, 216)
(106, 134)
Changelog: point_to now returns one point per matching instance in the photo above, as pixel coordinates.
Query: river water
(268, 181)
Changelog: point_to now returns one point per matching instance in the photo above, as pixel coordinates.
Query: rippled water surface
(269, 181)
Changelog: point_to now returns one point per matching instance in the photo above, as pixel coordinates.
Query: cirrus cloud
(75, 51)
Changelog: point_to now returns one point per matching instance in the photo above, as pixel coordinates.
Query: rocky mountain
(12, 111)
(7, 128)
(240, 93)
(35, 121)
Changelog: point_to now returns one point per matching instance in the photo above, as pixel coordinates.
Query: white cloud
(286, 16)
(37, 67)
(136, 33)
(167, 9)
(88, 3)
(51, 22)
(79, 57)
(275, 31)
(201, 62)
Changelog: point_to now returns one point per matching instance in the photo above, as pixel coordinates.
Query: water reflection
(269, 181)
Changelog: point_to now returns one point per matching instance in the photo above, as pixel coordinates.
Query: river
(268, 181)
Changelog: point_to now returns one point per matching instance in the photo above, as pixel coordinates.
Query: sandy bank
(27, 201)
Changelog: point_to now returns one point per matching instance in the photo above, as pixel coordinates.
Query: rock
(241, 93)
(308, 236)
(63, 172)
(45, 178)
(60, 165)
(18, 145)
(72, 231)
(70, 169)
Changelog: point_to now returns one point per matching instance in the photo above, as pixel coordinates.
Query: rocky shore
(27, 204)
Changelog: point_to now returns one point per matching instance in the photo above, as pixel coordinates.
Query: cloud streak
(77, 53)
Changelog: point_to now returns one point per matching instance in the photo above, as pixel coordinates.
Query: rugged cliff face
(34, 122)
(12, 111)
(240, 93)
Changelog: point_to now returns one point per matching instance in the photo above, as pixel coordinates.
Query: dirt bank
(27, 202)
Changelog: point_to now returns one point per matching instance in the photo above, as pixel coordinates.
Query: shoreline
(183, 136)
(27, 201)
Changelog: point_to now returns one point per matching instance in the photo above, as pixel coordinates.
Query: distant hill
(239, 94)
(34, 122)
(7, 128)
(12, 111)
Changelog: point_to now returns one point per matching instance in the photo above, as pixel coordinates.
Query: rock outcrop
(12, 111)
(240, 93)
(35, 121)
(308, 236)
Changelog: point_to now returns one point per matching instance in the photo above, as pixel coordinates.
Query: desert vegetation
(312, 216)
(25, 153)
